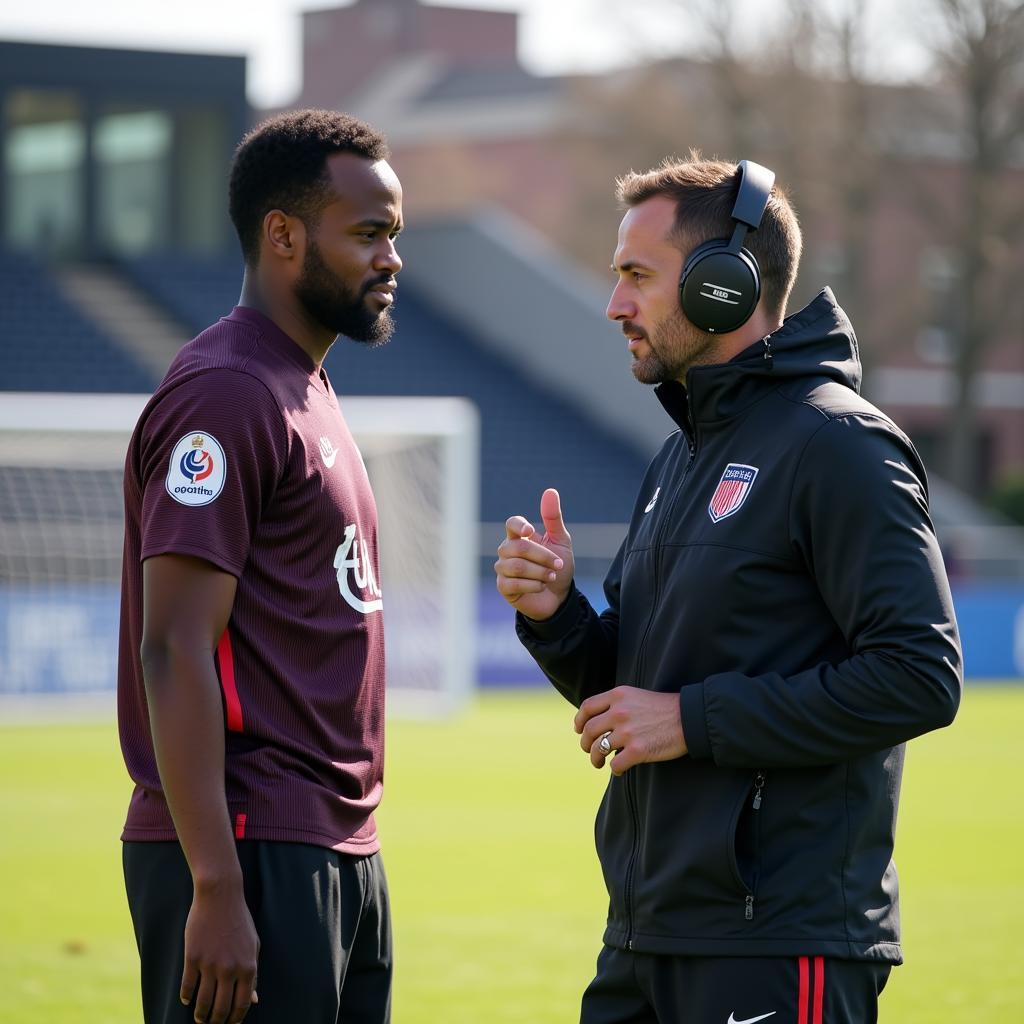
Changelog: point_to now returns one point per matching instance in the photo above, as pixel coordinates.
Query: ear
(284, 236)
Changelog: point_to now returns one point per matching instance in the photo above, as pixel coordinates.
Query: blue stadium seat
(47, 345)
(530, 437)
(196, 292)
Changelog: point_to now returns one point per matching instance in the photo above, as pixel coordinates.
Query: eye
(637, 276)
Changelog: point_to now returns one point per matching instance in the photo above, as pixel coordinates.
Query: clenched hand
(642, 725)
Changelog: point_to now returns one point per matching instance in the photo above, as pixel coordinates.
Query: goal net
(61, 532)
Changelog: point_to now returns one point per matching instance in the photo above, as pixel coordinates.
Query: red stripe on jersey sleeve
(232, 705)
(239, 826)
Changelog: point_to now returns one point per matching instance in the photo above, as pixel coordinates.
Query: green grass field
(498, 900)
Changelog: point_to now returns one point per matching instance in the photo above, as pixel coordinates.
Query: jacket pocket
(746, 842)
(688, 879)
(740, 843)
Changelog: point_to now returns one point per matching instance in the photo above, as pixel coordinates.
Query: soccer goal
(61, 531)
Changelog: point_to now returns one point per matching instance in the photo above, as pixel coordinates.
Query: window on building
(201, 157)
(132, 150)
(44, 152)
(937, 338)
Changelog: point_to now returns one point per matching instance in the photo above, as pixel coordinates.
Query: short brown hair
(705, 192)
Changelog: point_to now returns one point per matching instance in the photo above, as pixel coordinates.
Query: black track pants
(322, 918)
(640, 988)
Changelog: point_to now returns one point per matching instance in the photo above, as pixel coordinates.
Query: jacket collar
(817, 341)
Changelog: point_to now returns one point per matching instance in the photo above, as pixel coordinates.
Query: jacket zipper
(631, 866)
(691, 442)
(691, 455)
(759, 780)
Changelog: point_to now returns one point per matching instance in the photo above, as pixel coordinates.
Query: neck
(725, 347)
(759, 326)
(281, 307)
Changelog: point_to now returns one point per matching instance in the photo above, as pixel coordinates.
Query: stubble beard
(339, 308)
(675, 345)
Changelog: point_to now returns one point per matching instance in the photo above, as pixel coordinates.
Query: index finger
(596, 705)
(517, 526)
(530, 551)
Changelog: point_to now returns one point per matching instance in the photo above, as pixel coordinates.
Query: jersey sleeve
(859, 520)
(211, 454)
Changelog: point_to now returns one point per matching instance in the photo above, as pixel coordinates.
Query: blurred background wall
(115, 246)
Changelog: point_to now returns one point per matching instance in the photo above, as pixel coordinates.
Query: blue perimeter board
(64, 639)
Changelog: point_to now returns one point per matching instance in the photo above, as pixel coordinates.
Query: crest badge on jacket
(732, 490)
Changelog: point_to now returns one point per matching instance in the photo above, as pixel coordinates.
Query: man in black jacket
(779, 623)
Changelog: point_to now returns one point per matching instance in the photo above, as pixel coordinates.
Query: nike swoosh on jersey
(749, 1020)
(328, 452)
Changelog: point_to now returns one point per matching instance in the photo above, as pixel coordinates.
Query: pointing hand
(534, 573)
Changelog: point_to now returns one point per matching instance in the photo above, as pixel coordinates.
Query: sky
(556, 36)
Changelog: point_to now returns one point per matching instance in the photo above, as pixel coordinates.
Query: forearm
(187, 723)
(825, 715)
(576, 648)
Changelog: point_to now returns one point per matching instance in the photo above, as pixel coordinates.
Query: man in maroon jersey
(251, 673)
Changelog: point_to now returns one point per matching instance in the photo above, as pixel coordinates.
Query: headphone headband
(755, 189)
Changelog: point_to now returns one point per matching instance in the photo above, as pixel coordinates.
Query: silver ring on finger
(604, 744)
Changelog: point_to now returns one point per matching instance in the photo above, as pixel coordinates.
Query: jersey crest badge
(196, 472)
(732, 491)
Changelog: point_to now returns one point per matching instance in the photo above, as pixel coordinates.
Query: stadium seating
(47, 345)
(530, 437)
(195, 291)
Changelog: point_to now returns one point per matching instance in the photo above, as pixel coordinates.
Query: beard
(341, 309)
(675, 345)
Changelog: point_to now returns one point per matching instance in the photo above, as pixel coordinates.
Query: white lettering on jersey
(362, 572)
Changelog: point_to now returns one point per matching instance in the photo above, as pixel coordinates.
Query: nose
(389, 259)
(620, 306)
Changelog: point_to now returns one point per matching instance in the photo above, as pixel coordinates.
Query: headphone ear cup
(719, 289)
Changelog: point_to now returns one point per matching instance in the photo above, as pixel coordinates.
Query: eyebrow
(629, 265)
(380, 223)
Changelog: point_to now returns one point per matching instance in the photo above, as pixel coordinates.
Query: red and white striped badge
(732, 490)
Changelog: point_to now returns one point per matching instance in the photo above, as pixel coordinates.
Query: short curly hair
(281, 164)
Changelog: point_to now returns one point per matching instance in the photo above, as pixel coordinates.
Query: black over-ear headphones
(721, 281)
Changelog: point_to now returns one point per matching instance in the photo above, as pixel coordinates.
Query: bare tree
(704, 33)
(735, 82)
(857, 164)
(626, 121)
(981, 50)
(711, 100)
(796, 97)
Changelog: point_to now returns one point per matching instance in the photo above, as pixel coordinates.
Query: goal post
(423, 456)
(61, 531)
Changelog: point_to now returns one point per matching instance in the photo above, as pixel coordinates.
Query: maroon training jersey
(242, 458)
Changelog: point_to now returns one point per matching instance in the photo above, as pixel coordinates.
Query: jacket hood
(817, 341)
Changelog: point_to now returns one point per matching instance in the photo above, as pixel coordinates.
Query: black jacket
(781, 573)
